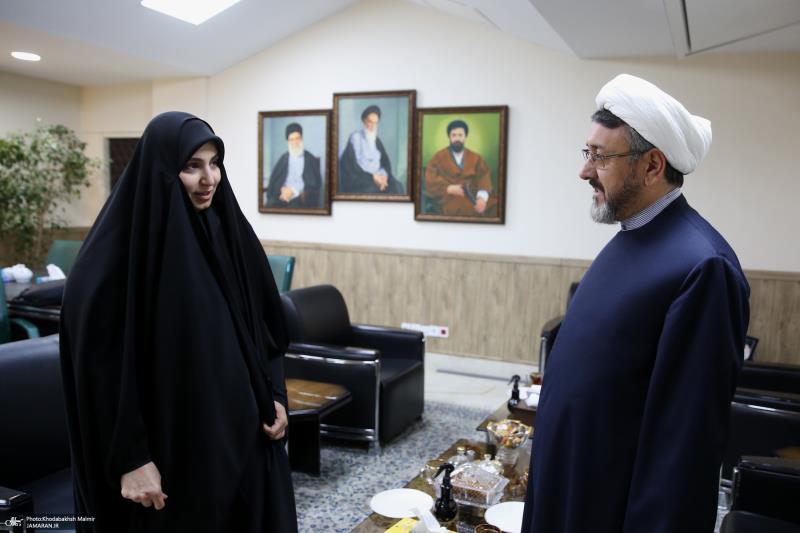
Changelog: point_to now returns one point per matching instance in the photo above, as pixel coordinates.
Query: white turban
(659, 118)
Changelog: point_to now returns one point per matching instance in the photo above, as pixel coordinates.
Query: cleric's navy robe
(635, 404)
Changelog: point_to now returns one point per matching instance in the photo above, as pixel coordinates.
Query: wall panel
(495, 306)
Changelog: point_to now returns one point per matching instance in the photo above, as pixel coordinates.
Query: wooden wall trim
(496, 305)
(498, 258)
(433, 254)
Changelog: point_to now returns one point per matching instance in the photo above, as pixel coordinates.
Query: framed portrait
(293, 162)
(372, 136)
(460, 159)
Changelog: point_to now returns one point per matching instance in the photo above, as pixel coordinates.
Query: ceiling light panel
(192, 11)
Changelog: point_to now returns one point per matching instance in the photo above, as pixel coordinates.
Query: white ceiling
(85, 42)
(89, 42)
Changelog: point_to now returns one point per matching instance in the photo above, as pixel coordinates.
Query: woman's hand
(143, 485)
(278, 428)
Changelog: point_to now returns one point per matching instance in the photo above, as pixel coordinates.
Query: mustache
(596, 184)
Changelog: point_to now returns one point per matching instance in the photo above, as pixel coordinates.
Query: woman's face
(200, 176)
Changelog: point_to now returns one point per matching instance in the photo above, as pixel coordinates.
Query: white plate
(507, 516)
(400, 503)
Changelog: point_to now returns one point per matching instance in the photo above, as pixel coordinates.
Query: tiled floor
(470, 382)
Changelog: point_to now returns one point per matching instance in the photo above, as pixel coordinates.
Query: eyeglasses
(599, 160)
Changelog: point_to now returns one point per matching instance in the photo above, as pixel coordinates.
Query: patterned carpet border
(338, 500)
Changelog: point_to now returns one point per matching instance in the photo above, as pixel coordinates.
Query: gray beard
(602, 214)
(371, 136)
(295, 152)
(608, 213)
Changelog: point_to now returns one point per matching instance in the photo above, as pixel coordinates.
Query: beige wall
(25, 102)
(124, 111)
(746, 187)
(186, 94)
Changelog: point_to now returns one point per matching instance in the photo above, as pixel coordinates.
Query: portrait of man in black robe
(295, 180)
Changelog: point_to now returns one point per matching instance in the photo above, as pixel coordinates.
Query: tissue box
(405, 525)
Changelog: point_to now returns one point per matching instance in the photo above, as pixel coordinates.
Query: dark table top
(307, 396)
(515, 491)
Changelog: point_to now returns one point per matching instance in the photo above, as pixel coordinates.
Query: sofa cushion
(744, 522)
(52, 494)
(394, 369)
(32, 413)
(317, 315)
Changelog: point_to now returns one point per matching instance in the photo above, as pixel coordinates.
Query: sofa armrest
(767, 486)
(327, 351)
(356, 370)
(776, 465)
(23, 329)
(768, 398)
(770, 376)
(393, 343)
(551, 327)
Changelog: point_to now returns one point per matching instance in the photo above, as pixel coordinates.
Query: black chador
(172, 342)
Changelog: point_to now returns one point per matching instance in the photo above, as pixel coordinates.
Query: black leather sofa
(758, 430)
(766, 492)
(34, 449)
(383, 368)
(766, 417)
(770, 376)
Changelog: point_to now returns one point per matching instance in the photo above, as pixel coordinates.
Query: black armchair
(35, 444)
(383, 368)
(550, 331)
(764, 416)
(765, 495)
(758, 430)
(770, 376)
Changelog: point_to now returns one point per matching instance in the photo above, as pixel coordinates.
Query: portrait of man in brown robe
(458, 181)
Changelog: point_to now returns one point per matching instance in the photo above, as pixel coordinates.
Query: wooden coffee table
(309, 401)
(376, 523)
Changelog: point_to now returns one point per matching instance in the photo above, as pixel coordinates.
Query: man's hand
(480, 205)
(287, 193)
(381, 181)
(143, 485)
(278, 428)
(455, 190)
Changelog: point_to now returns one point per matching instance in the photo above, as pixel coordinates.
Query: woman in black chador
(172, 342)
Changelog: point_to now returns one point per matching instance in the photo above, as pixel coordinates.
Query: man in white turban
(633, 415)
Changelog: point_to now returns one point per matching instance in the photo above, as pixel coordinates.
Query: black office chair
(383, 368)
(550, 330)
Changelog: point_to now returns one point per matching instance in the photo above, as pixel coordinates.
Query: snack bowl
(508, 433)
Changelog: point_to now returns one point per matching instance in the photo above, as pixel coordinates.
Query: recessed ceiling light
(193, 11)
(26, 56)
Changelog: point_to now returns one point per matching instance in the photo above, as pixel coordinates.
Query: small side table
(309, 401)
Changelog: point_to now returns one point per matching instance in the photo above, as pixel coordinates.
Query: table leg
(304, 443)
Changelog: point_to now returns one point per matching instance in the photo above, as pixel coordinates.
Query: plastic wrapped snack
(474, 485)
